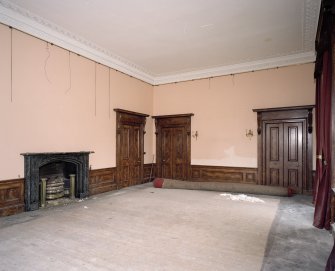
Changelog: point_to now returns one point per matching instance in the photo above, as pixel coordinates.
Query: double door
(284, 154)
(285, 147)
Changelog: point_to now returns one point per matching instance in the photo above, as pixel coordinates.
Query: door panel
(173, 155)
(274, 174)
(173, 148)
(178, 154)
(136, 155)
(129, 147)
(293, 154)
(166, 152)
(125, 155)
(125, 139)
(131, 160)
(284, 154)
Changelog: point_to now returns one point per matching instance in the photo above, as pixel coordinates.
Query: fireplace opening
(66, 174)
(57, 183)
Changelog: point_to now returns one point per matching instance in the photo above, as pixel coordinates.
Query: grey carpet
(294, 244)
(143, 228)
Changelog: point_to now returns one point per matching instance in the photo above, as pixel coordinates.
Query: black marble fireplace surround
(33, 162)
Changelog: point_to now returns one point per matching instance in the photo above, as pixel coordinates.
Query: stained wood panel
(149, 172)
(274, 154)
(11, 197)
(102, 180)
(293, 154)
(224, 174)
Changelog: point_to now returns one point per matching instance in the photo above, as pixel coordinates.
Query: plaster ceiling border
(21, 19)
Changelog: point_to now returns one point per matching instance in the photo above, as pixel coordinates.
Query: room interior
(208, 78)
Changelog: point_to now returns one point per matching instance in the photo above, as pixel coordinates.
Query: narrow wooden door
(129, 147)
(293, 155)
(130, 155)
(274, 154)
(166, 153)
(284, 154)
(173, 146)
(174, 152)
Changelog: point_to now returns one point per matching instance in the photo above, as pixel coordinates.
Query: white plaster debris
(85, 207)
(242, 197)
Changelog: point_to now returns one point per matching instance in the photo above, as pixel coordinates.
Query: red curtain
(322, 185)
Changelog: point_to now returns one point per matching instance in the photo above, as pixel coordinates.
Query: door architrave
(287, 114)
(174, 121)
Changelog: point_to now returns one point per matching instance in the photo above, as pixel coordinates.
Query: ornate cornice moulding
(269, 63)
(36, 26)
(21, 19)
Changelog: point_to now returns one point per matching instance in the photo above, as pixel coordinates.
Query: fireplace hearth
(54, 166)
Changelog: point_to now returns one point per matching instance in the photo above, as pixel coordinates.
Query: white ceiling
(162, 41)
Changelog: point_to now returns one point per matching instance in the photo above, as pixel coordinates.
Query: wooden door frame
(302, 113)
(162, 121)
(125, 117)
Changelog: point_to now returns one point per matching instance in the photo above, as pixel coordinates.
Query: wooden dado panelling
(11, 197)
(149, 172)
(102, 180)
(224, 174)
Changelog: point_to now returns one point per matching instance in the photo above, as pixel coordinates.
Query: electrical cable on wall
(70, 74)
(233, 79)
(95, 88)
(11, 64)
(109, 93)
(46, 63)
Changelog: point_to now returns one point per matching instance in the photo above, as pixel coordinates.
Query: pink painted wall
(60, 105)
(65, 102)
(223, 109)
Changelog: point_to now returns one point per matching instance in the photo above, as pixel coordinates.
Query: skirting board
(104, 180)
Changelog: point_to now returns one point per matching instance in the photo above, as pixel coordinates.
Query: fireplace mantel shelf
(54, 153)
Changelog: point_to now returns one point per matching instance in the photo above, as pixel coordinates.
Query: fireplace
(56, 167)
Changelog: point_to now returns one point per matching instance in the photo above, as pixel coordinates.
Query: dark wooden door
(166, 153)
(285, 147)
(284, 154)
(174, 152)
(173, 146)
(274, 160)
(130, 155)
(129, 147)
